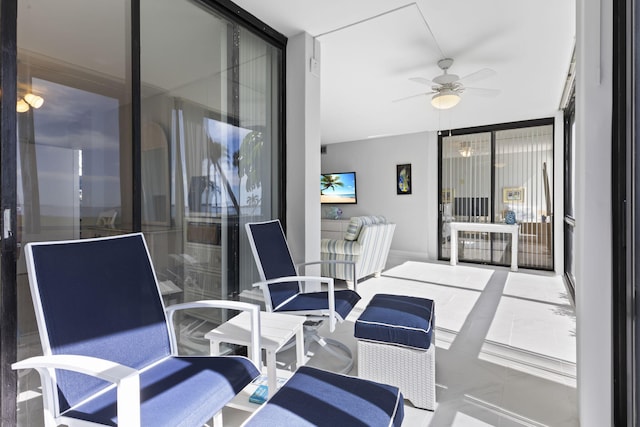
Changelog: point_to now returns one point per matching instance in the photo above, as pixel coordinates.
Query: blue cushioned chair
(109, 349)
(283, 291)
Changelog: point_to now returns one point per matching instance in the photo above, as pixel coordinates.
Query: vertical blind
(485, 175)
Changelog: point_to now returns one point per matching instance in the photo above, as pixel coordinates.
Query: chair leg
(311, 335)
(328, 344)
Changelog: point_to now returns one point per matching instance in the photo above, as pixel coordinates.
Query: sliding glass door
(181, 140)
(466, 193)
(74, 145)
(494, 176)
(210, 128)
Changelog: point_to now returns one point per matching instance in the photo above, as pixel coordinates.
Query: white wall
(376, 195)
(374, 161)
(303, 151)
(593, 211)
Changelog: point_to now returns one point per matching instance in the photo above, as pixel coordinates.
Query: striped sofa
(366, 242)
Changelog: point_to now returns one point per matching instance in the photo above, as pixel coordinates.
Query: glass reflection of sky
(73, 120)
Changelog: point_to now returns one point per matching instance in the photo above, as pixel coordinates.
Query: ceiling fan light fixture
(465, 149)
(445, 99)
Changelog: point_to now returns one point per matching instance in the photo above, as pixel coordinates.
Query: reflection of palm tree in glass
(216, 192)
(249, 162)
(215, 151)
(330, 181)
(248, 159)
(253, 201)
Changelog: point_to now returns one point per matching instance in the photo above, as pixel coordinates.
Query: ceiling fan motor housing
(445, 63)
(445, 78)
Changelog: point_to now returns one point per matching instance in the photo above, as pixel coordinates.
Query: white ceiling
(370, 49)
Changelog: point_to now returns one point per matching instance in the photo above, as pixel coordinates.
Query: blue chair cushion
(99, 298)
(313, 397)
(345, 299)
(197, 386)
(397, 319)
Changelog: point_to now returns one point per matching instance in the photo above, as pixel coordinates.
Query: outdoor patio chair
(283, 288)
(109, 348)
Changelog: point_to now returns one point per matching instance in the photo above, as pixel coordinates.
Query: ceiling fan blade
(478, 75)
(422, 80)
(413, 96)
(482, 91)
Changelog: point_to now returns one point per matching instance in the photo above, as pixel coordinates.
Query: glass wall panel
(524, 186)
(209, 151)
(487, 176)
(74, 141)
(210, 147)
(466, 193)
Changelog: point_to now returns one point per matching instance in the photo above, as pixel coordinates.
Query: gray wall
(374, 161)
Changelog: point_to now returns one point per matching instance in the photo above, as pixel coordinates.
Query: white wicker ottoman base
(412, 371)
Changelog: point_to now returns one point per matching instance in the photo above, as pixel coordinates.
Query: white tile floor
(505, 345)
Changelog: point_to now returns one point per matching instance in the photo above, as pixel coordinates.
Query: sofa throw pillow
(356, 223)
(353, 229)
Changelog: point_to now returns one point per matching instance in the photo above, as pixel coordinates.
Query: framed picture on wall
(403, 179)
(513, 194)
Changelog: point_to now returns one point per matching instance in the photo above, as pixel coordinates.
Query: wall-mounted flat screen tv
(338, 188)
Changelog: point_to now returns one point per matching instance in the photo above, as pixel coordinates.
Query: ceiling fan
(447, 88)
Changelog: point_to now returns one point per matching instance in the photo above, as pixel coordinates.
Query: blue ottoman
(396, 345)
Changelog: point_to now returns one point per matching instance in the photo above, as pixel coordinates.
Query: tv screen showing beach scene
(338, 187)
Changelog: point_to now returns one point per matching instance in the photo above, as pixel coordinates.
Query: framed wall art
(513, 194)
(403, 179)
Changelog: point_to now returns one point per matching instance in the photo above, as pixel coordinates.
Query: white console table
(483, 227)
(334, 228)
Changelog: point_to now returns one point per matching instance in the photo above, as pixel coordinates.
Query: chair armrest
(343, 247)
(328, 280)
(254, 310)
(126, 379)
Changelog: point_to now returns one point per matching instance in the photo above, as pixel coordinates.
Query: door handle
(6, 224)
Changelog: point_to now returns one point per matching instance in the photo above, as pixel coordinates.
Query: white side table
(276, 330)
(488, 228)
